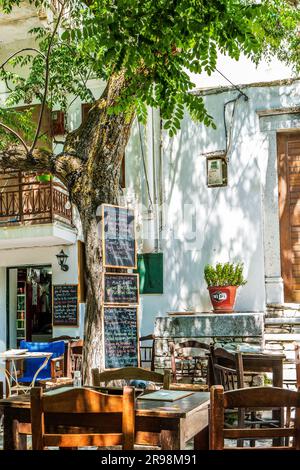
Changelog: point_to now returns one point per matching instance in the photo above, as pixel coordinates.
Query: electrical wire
(228, 141)
(246, 98)
(145, 169)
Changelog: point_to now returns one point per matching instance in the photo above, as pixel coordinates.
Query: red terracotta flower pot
(222, 298)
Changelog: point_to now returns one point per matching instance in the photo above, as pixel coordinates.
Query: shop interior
(30, 304)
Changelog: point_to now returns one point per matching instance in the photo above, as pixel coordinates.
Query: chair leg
(241, 424)
(288, 425)
(253, 418)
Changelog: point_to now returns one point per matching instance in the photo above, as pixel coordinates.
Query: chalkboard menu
(120, 337)
(65, 305)
(118, 237)
(121, 288)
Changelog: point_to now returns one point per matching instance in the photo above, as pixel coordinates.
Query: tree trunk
(93, 334)
(102, 142)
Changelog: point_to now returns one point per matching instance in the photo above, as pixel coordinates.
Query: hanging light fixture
(62, 259)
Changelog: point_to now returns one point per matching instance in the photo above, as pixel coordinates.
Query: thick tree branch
(66, 166)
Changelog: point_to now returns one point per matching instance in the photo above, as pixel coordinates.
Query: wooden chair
(69, 361)
(131, 373)
(186, 365)
(227, 368)
(76, 354)
(82, 417)
(147, 352)
(289, 418)
(228, 371)
(256, 398)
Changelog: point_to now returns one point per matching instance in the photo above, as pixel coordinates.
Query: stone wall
(282, 331)
(237, 328)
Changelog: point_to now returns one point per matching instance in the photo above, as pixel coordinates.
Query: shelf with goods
(21, 312)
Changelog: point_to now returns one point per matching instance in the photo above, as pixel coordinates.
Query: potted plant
(222, 283)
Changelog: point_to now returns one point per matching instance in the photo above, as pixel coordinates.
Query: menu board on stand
(121, 336)
(65, 305)
(121, 289)
(118, 237)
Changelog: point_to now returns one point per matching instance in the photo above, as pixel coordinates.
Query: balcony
(33, 213)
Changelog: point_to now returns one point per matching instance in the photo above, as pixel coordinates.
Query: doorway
(288, 150)
(29, 306)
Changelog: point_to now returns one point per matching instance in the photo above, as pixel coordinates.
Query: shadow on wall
(207, 225)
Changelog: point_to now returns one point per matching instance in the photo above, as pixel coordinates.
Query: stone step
(282, 321)
(282, 310)
(282, 337)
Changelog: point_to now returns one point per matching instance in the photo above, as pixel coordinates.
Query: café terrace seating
(53, 369)
(255, 398)
(189, 361)
(228, 371)
(98, 419)
(83, 417)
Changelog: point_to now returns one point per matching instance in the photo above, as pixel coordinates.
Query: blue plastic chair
(30, 367)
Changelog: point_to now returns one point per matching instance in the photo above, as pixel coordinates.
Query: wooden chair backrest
(255, 398)
(177, 353)
(76, 355)
(80, 407)
(228, 369)
(147, 353)
(67, 355)
(297, 362)
(131, 373)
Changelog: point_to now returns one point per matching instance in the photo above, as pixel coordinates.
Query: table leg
(10, 441)
(173, 439)
(7, 379)
(201, 440)
(210, 373)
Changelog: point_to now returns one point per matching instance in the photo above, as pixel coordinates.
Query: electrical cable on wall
(228, 140)
(246, 98)
(234, 100)
(145, 169)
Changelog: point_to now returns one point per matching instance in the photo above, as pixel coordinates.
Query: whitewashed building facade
(178, 215)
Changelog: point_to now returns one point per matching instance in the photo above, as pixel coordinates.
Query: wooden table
(11, 372)
(259, 362)
(168, 424)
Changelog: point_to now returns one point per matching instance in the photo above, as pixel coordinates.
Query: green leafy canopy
(155, 44)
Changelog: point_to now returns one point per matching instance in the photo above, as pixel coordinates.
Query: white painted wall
(206, 225)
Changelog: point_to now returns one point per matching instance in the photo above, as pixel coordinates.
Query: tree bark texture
(90, 168)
